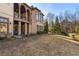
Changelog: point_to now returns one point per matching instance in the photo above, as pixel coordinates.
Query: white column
(30, 29)
(25, 28)
(19, 28)
(19, 10)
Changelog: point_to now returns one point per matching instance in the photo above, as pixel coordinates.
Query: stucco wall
(6, 10)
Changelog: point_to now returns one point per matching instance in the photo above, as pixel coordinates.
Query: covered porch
(20, 28)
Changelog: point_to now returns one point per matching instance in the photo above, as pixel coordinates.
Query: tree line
(55, 21)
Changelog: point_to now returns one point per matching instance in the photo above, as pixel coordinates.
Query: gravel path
(39, 45)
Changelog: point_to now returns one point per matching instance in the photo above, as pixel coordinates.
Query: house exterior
(39, 19)
(6, 18)
(19, 19)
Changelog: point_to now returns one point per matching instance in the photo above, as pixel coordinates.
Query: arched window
(16, 10)
(22, 12)
(28, 15)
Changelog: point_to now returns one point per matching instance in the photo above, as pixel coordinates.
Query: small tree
(57, 28)
(46, 27)
(52, 29)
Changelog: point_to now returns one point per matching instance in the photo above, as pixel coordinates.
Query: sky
(55, 8)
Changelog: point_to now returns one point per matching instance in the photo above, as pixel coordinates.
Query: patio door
(22, 28)
(15, 27)
(27, 28)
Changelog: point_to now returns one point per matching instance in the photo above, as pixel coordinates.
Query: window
(37, 17)
(42, 18)
(3, 28)
(3, 20)
(3, 25)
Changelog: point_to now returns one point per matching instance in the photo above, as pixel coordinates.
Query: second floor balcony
(21, 13)
(23, 16)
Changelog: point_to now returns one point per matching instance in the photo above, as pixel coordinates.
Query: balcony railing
(16, 15)
(23, 16)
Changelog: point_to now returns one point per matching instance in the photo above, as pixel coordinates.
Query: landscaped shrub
(46, 27)
(77, 28)
(64, 33)
(40, 32)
